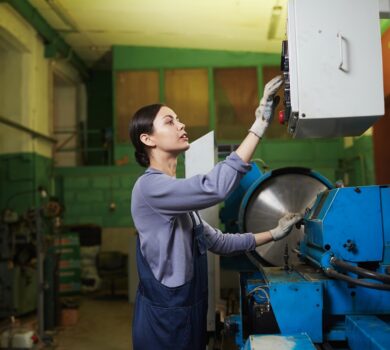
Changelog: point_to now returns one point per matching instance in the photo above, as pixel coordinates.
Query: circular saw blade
(274, 197)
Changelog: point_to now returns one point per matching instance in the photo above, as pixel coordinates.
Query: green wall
(321, 155)
(385, 25)
(88, 192)
(357, 162)
(20, 176)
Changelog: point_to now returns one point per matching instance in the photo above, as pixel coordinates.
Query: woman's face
(169, 134)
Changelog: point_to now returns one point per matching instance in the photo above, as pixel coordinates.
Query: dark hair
(142, 123)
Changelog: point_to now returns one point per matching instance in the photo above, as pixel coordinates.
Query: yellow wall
(26, 84)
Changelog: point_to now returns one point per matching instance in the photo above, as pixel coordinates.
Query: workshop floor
(103, 324)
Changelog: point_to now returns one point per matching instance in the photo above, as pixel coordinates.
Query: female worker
(171, 303)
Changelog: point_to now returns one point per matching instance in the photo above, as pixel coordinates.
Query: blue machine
(330, 285)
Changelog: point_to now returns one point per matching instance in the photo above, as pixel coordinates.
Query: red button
(35, 339)
(281, 117)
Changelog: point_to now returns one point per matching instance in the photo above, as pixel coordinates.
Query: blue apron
(172, 318)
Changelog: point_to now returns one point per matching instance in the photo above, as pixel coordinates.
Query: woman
(171, 302)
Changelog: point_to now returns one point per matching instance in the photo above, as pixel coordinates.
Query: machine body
(337, 289)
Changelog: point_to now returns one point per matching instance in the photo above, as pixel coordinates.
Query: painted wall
(97, 195)
(356, 166)
(24, 161)
(25, 87)
(20, 176)
(26, 84)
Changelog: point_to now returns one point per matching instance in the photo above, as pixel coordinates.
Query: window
(134, 89)
(186, 92)
(236, 98)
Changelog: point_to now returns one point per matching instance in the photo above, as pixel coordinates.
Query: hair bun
(142, 158)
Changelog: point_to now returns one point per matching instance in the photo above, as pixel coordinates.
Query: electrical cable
(360, 271)
(333, 273)
(262, 162)
(260, 288)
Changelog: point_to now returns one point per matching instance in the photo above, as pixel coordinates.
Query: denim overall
(172, 318)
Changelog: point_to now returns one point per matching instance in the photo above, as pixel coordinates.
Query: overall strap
(199, 238)
(195, 225)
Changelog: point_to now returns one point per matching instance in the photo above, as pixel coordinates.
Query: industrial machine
(327, 284)
(18, 275)
(29, 265)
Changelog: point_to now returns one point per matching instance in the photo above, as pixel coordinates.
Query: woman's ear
(147, 140)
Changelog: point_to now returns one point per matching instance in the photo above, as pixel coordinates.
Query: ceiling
(92, 27)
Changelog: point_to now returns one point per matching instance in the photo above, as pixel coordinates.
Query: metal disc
(274, 197)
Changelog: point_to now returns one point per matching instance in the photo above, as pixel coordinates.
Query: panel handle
(341, 40)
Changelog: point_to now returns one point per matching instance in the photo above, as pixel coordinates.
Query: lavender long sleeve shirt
(160, 207)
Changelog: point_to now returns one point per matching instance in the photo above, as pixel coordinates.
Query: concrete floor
(103, 325)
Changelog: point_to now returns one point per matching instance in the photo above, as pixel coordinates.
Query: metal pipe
(315, 262)
(61, 13)
(333, 273)
(360, 271)
(66, 141)
(40, 277)
(21, 127)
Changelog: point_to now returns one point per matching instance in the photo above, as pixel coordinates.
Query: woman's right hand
(266, 108)
(285, 225)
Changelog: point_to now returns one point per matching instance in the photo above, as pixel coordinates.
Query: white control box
(334, 67)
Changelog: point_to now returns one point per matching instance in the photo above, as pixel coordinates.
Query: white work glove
(266, 108)
(285, 225)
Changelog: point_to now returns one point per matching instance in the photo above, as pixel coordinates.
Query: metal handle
(341, 38)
